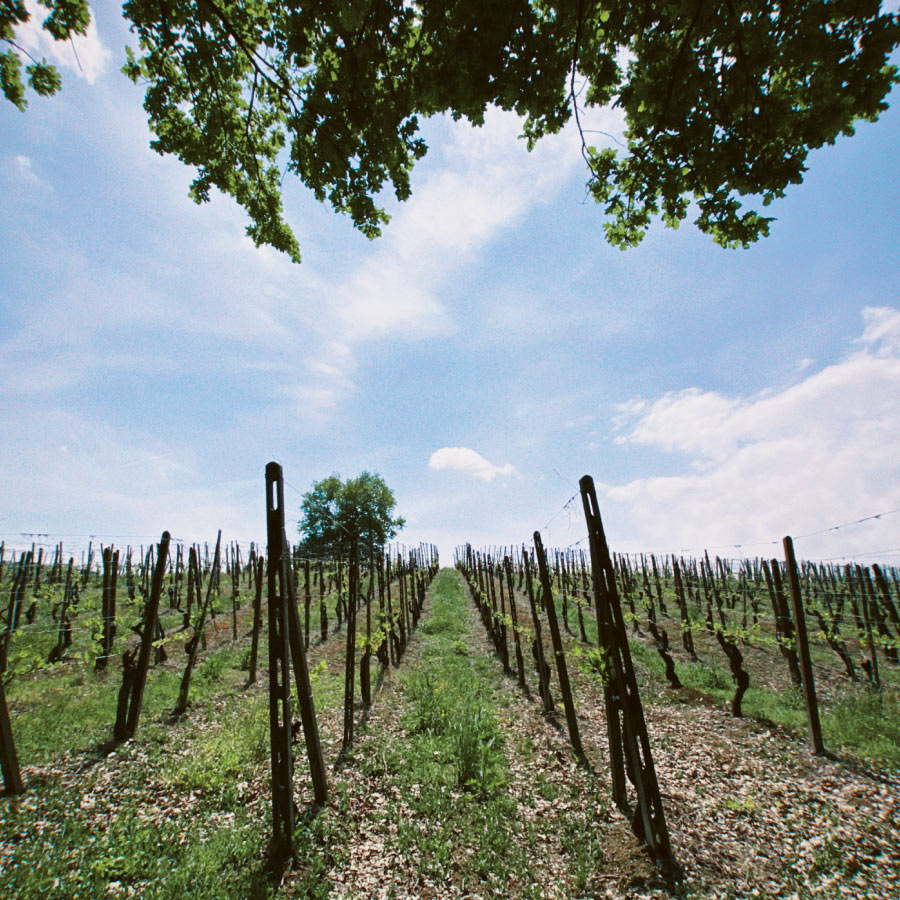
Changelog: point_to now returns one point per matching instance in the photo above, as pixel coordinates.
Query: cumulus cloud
(462, 459)
(86, 54)
(819, 453)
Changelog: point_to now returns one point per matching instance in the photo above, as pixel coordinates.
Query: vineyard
(218, 720)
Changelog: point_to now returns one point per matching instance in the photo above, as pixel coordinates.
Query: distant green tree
(334, 512)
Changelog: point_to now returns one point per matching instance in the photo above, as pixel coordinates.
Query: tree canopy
(723, 99)
(334, 512)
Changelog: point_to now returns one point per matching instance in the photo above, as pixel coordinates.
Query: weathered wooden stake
(514, 615)
(307, 603)
(562, 671)
(196, 640)
(867, 622)
(806, 671)
(350, 661)
(282, 846)
(258, 565)
(9, 761)
(323, 609)
(538, 647)
(151, 614)
(628, 737)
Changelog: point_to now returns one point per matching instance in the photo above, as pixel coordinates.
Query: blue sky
(482, 355)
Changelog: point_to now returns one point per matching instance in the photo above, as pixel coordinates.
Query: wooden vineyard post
(875, 608)
(196, 640)
(783, 627)
(383, 653)
(151, 613)
(883, 589)
(106, 614)
(17, 592)
(282, 847)
(286, 652)
(809, 687)
(235, 589)
(629, 748)
(64, 635)
(867, 622)
(365, 667)
(258, 566)
(350, 661)
(9, 762)
(393, 646)
(565, 688)
(301, 679)
(504, 648)
(520, 662)
(538, 648)
(323, 610)
(307, 602)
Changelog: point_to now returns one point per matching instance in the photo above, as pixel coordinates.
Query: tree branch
(573, 96)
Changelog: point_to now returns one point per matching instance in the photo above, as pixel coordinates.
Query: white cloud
(462, 459)
(27, 173)
(85, 54)
(882, 331)
(326, 383)
(819, 453)
(486, 184)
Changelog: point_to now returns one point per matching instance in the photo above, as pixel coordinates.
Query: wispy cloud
(486, 183)
(27, 173)
(463, 459)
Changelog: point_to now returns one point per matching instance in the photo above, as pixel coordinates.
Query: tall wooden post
(282, 846)
(562, 670)
(350, 661)
(304, 686)
(806, 671)
(257, 564)
(151, 614)
(538, 649)
(630, 739)
(199, 631)
(867, 622)
(9, 762)
(520, 662)
(323, 610)
(307, 603)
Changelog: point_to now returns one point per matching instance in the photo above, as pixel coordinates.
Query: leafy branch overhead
(723, 99)
(66, 18)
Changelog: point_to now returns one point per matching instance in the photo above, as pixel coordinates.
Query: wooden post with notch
(806, 672)
(629, 746)
(282, 846)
